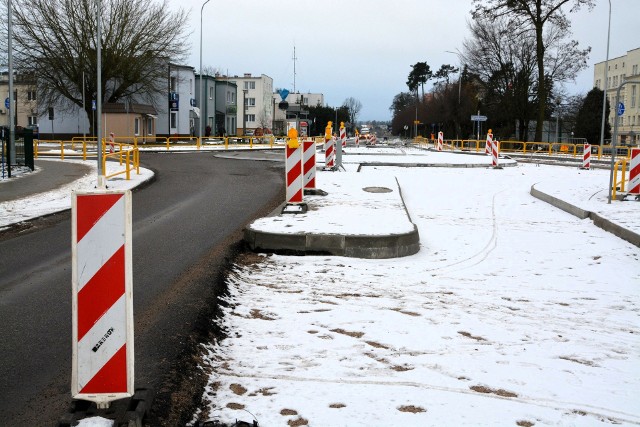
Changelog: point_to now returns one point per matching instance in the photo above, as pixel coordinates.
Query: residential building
(622, 69)
(25, 95)
(178, 114)
(257, 98)
(226, 107)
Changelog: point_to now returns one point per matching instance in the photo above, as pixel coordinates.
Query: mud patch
(487, 390)
(412, 409)
(348, 333)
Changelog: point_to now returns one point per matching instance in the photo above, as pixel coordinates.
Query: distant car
(249, 132)
(364, 130)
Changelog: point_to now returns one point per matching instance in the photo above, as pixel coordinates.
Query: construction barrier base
(297, 208)
(125, 412)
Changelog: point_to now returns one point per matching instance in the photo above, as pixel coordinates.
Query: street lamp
(604, 82)
(202, 93)
(244, 112)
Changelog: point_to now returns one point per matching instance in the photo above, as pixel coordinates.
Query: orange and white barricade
(586, 156)
(495, 152)
(102, 297)
(293, 169)
(343, 135)
(309, 164)
(489, 143)
(634, 172)
(440, 141)
(329, 148)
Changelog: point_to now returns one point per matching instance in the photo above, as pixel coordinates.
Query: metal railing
(619, 166)
(519, 147)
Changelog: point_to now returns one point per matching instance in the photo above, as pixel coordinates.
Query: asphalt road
(185, 226)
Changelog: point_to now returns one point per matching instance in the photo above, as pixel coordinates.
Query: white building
(256, 93)
(177, 111)
(622, 69)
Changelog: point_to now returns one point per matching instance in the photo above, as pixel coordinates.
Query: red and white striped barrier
(634, 172)
(309, 164)
(586, 156)
(293, 165)
(495, 152)
(440, 141)
(111, 142)
(374, 139)
(343, 136)
(488, 146)
(357, 140)
(329, 153)
(102, 297)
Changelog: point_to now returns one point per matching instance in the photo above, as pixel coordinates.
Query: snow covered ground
(512, 313)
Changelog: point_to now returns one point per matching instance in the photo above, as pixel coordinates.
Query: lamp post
(202, 93)
(604, 82)
(244, 112)
(101, 173)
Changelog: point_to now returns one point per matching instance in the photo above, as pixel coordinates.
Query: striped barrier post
(102, 297)
(357, 139)
(309, 164)
(111, 142)
(495, 152)
(329, 148)
(634, 172)
(343, 135)
(586, 157)
(293, 165)
(489, 144)
(440, 140)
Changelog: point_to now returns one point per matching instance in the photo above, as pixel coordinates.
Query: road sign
(620, 108)
(7, 103)
(478, 118)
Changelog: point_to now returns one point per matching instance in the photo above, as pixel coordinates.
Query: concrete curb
(615, 229)
(354, 246)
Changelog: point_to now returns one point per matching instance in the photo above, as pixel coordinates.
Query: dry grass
(286, 412)
(237, 389)
(468, 335)
(487, 390)
(348, 333)
(411, 408)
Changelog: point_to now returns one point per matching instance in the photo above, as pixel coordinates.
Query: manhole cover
(377, 189)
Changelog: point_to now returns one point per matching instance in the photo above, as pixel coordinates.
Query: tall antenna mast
(294, 68)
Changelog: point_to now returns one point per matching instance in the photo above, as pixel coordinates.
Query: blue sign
(93, 104)
(7, 103)
(620, 108)
(283, 93)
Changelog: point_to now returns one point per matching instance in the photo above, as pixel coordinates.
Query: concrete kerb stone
(615, 229)
(355, 246)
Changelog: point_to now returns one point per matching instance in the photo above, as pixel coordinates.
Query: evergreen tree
(589, 118)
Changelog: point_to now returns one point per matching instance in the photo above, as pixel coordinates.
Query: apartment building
(25, 96)
(622, 69)
(256, 94)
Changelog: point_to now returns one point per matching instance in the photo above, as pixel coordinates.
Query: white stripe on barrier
(100, 243)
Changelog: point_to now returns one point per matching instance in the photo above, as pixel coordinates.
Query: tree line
(514, 64)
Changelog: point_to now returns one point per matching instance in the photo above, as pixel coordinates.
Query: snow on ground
(512, 313)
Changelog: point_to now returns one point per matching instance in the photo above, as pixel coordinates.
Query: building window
(172, 83)
(149, 126)
(33, 120)
(174, 120)
(249, 85)
(210, 93)
(250, 102)
(251, 117)
(31, 95)
(633, 96)
(136, 126)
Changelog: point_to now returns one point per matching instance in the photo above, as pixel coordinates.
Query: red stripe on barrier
(112, 378)
(101, 292)
(91, 209)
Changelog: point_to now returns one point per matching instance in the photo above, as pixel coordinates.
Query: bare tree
(353, 106)
(533, 16)
(56, 41)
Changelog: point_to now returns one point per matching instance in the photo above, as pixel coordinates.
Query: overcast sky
(365, 48)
